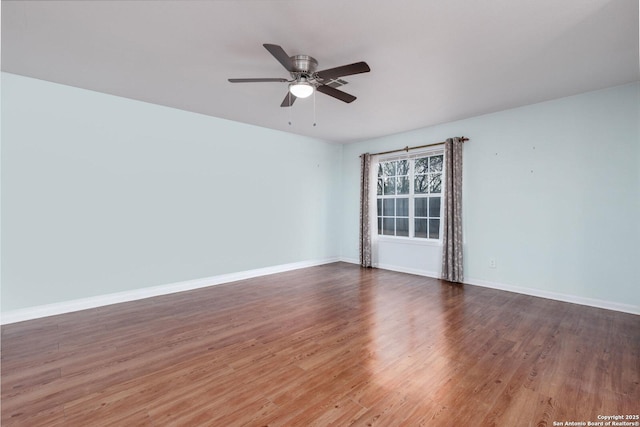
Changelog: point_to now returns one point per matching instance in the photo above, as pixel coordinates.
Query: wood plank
(327, 345)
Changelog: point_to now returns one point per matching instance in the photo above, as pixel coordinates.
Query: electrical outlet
(492, 263)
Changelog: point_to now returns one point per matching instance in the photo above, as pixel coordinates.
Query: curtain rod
(407, 148)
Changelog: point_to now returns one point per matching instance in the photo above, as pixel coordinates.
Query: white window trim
(409, 240)
(432, 151)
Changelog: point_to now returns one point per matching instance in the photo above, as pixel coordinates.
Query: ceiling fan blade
(338, 94)
(288, 100)
(280, 55)
(257, 80)
(345, 70)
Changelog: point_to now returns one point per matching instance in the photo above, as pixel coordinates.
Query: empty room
(294, 213)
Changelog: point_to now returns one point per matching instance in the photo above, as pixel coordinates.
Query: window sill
(409, 241)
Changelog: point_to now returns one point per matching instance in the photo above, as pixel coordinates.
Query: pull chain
(314, 108)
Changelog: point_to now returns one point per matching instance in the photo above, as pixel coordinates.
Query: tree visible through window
(410, 197)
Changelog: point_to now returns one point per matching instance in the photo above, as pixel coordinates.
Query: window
(409, 196)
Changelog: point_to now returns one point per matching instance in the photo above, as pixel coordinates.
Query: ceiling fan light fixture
(301, 89)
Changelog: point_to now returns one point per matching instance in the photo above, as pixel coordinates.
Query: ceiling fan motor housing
(303, 64)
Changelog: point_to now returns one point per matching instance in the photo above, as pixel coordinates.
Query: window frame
(411, 157)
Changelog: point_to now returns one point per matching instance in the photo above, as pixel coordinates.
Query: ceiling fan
(305, 79)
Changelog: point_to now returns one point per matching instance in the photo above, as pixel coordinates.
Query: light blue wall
(102, 194)
(551, 191)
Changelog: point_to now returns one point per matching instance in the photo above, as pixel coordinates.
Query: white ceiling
(431, 61)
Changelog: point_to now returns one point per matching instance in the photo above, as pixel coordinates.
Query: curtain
(452, 227)
(365, 211)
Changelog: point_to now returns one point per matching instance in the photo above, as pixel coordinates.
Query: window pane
(402, 207)
(402, 167)
(389, 168)
(387, 209)
(421, 184)
(379, 192)
(379, 225)
(435, 186)
(422, 165)
(434, 207)
(389, 185)
(435, 163)
(379, 207)
(420, 208)
(387, 226)
(420, 228)
(380, 172)
(434, 228)
(403, 184)
(402, 226)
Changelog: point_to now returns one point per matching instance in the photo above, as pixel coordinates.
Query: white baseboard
(399, 269)
(350, 260)
(30, 313)
(415, 271)
(574, 299)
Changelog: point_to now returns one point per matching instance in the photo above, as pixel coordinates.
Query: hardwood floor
(333, 344)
